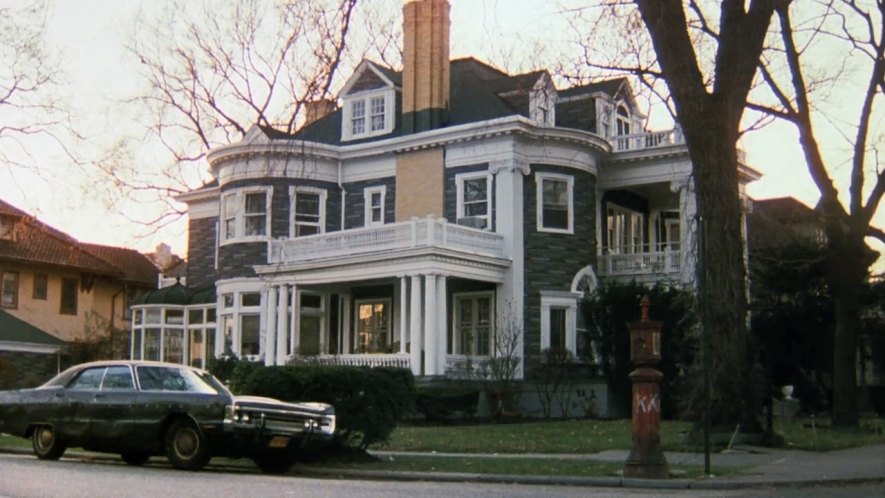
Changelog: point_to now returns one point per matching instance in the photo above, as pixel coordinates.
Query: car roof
(135, 363)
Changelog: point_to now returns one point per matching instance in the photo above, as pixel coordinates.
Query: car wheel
(47, 445)
(135, 458)
(186, 447)
(274, 462)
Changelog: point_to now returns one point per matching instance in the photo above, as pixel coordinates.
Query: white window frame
(388, 311)
(456, 310)
(459, 182)
(540, 178)
(564, 301)
(239, 198)
(293, 193)
(229, 318)
(622, 122)
(368, 192)
(366, 97)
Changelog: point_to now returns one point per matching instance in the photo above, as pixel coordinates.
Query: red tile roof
(37, 243)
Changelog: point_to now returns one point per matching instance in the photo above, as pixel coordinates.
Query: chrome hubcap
(186, 442)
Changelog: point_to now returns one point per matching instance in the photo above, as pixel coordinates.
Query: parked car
(141, 409)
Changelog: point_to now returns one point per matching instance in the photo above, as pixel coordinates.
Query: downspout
(343, 194)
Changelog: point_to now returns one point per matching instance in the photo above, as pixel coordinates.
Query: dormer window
(622, 120)
(543, 102)
(368, 114)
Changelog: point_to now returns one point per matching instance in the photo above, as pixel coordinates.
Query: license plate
(278, 442)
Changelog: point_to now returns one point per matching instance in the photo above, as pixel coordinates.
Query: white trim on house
(459, 202)
(293, 223)
(540, 178)
(364, 125)
(239, 215)
(568, 302)
(369, 208)
(229, 317)
(28, 347)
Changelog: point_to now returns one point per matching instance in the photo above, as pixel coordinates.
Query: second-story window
(69, 290)
(8, 289)
(245, 215)
(474, 198)
(555, 209)
(374, 199)
(308, 212)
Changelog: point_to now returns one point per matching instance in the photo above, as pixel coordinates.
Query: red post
(646, 459)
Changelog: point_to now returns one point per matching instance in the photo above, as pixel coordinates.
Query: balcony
(648, 140)
(653, 260)
(413, 234)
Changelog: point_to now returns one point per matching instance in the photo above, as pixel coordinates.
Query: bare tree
(29, 83)
(856, 30)
(212, 70)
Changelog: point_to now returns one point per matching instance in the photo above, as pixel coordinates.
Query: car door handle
(97, 396)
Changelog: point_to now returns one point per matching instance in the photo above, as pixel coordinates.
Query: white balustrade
(659, 259)
(648, 140)
(362, 360)
(426, 232)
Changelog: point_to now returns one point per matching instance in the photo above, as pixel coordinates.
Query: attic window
(367, 114)
(623, 120)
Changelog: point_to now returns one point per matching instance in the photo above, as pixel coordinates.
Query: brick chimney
(315, 110)
(425, 65)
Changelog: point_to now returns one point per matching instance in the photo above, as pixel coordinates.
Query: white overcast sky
(90, 35)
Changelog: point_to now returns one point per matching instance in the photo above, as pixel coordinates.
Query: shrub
(369, 403)
(441, 402)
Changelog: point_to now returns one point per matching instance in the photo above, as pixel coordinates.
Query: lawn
(592, 436)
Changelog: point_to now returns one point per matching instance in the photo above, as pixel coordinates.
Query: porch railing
(425, 232)
(647, 259)
(648, 140)
(363, 360)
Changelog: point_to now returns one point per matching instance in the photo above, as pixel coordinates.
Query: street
(23, 476)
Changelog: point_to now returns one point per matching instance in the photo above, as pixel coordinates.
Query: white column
(346, 309)
(415, 331)
(431, 342)
(270, 328)
(403, 313)
(294, 338)
(282, 322)
(441, 329)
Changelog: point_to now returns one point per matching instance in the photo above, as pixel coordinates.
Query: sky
(90, 35)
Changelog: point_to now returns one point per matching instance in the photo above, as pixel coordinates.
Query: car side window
(117, 378)
(160, 379)
(89, 379)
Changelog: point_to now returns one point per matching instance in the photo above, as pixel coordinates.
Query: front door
(373, 327)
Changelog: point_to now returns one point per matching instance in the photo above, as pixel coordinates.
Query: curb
(608, 482)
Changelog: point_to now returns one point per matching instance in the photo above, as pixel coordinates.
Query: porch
(659, 260)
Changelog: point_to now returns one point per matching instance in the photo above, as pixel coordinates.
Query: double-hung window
(474, 199)
(69, 294)
(8, 289)
(473, 331)
(308, 211)
(377, 108)
(245, 215)
(555, 204)
(358, 117)
(368, 113)
(374, 205)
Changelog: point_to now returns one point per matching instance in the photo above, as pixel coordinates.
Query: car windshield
(160, 378)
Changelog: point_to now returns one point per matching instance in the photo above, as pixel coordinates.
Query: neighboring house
(783, 220)
(435, 203)
(54, 289)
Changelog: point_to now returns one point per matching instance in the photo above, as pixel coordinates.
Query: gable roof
(13, 329)
(38, 243)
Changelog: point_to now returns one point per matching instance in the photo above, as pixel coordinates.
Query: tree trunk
(735, 394)
(846, 274)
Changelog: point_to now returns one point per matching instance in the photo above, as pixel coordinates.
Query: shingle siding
(201, 242)
(355, 212)
(552, 259)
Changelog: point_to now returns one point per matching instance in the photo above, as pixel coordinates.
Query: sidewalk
(760, 467)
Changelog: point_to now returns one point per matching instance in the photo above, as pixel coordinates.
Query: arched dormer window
(622, 120)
